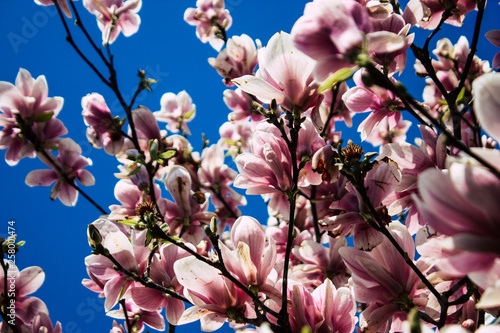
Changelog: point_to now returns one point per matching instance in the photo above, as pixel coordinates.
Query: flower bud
(94, 236)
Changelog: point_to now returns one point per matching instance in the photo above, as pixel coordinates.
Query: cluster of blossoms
(354, 241)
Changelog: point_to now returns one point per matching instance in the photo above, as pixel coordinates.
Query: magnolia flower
(334, 33)
(380, 182)
(146, 125)
(26, 282)
(384, 134)
(162, 273)
(115, 16)
(28, 99)
(434, 9)
(382, 103)
(284, 74)
(213, 295)
(129, 253)
(68, 167)
(383, 280)
(252, 258)
(237, 59)
(214, 174)
(268, 168)
(209, 17)
(240, 103)
(103, 129)
(176, 111)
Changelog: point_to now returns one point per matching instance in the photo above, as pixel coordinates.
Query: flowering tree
(405, 239)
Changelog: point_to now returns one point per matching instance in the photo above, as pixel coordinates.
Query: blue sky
(166, 47)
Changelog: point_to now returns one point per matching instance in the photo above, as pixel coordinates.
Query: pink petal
(148, 299)
(67, 194)
(29, 280)
(384, 42)
(41, 177)
(260, 89)
(487, 103)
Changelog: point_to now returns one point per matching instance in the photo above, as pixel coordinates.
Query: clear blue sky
(166, 47)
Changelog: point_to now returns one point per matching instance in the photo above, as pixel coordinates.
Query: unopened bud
(94, 236)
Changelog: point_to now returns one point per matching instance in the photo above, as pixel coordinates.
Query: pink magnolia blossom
(431, 152)
(384, 134)
(268, 168)
(130, 196)
(162, 273)
(235, 137)
(70, 164)
(213, 295)
(380, 182)
(494, 37)
(237, 59)
(240, 103)
(320, 263)
(337, 307)
(103, 130)
(214, 174)
(252, 259)
(317, 34)
(28, 99)
(383, 280)
(434, 9)
(146, 125)
(186, 215)
(206, 16)
(340, 112)
(63, 4)
(26, 282)
(139, 316)
(394, 61)
(115, 16)
(381, 102)
(129, 253)
(461, 203)
(176, 111)
(284, 74)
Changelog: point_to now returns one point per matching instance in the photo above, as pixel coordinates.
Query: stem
(335, 91)
(171, 328)
(80, 24)
(223, 200)
(314, 213)
(294, 122)
(470, 58)
(69, 38)
(125, 313)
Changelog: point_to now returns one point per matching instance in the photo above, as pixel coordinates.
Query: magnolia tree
(402, 240)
